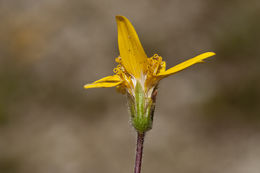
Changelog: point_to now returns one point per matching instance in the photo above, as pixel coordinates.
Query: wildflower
(138, 76)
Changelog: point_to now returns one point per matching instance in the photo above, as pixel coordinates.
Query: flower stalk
(139, 152)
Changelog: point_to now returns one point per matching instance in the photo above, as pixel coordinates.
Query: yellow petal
(101, 85)
(130, 48)
(109, 81)
(186, 64)
(114, 78)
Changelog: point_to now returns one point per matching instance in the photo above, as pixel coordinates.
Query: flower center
(148, 80)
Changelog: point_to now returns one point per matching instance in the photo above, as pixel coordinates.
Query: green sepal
(141, 109)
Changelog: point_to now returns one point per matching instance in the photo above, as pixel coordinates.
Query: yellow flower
(135, 67)
(138, 76)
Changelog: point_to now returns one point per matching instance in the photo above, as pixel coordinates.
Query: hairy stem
(139, 152)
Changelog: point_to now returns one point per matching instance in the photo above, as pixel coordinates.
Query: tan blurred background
(207, 118)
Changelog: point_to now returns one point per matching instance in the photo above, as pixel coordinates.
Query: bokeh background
(207, 117)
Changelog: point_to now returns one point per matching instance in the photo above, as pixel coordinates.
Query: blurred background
(207, 117)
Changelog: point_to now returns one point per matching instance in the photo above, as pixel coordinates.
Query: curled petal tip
(211, 53)
(120, 18)
(86, 86)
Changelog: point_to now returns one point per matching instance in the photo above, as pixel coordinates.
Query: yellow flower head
(135, 67)
(138, 76)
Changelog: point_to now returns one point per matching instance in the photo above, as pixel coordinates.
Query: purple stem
(139, 152)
